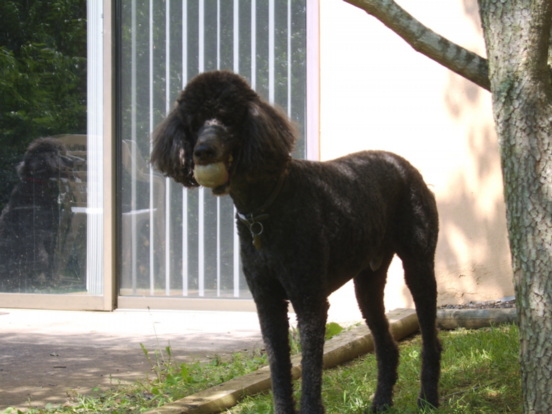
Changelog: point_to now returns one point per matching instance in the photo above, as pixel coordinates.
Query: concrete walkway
(47, 354)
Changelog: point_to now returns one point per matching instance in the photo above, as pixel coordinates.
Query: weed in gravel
(170, 381)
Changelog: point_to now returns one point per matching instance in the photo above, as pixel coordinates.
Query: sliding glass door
(85, 223)
(52, 131)
(177, 242)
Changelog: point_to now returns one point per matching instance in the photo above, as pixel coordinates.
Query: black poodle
(29, 223)
(308, 227)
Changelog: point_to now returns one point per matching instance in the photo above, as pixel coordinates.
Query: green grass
(480, 374)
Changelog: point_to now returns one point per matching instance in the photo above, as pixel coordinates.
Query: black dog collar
(254, 220)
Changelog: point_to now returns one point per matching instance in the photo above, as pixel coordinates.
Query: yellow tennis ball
(211, 175)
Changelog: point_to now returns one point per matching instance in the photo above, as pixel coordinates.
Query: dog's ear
(21, 170)
(173, 149)
(268, 139)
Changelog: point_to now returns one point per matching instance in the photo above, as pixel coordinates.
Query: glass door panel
(51, 163)
(177, 242)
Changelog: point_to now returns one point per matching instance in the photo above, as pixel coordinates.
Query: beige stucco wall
(376, 92)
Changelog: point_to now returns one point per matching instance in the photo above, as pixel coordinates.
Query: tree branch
(452, 56)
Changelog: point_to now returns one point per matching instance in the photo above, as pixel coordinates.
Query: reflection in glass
(50, 62)
(41, 243)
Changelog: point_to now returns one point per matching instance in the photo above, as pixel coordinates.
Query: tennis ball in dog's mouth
(211, 175)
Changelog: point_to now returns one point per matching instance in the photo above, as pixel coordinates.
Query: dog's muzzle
(211, 163)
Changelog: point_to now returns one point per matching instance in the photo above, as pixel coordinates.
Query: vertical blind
(178, 242)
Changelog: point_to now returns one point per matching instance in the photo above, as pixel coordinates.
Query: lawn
(480, 374)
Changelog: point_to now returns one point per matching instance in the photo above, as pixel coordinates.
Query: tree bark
(517, 36)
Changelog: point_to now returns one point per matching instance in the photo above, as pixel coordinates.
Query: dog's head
(45, 158)
(220, 129)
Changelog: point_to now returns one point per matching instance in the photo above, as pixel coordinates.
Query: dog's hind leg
(312, 313)
(416, 247)
(369, 287)
(420, 279)
(272, 309)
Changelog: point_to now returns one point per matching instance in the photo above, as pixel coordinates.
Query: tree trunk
(517, 34)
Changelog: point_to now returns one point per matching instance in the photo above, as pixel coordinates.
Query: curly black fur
(315, 226)
(29, 222)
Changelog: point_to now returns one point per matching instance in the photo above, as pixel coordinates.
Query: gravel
(504, 303)
(474, 315)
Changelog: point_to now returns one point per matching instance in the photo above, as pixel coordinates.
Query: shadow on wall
(445, 129)
(475, 258)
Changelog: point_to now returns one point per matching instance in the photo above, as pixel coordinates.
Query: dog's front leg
(272, 311)
(311, 316)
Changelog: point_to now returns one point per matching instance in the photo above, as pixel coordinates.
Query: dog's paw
(379, 408)
(427, 406)
(380, 404)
